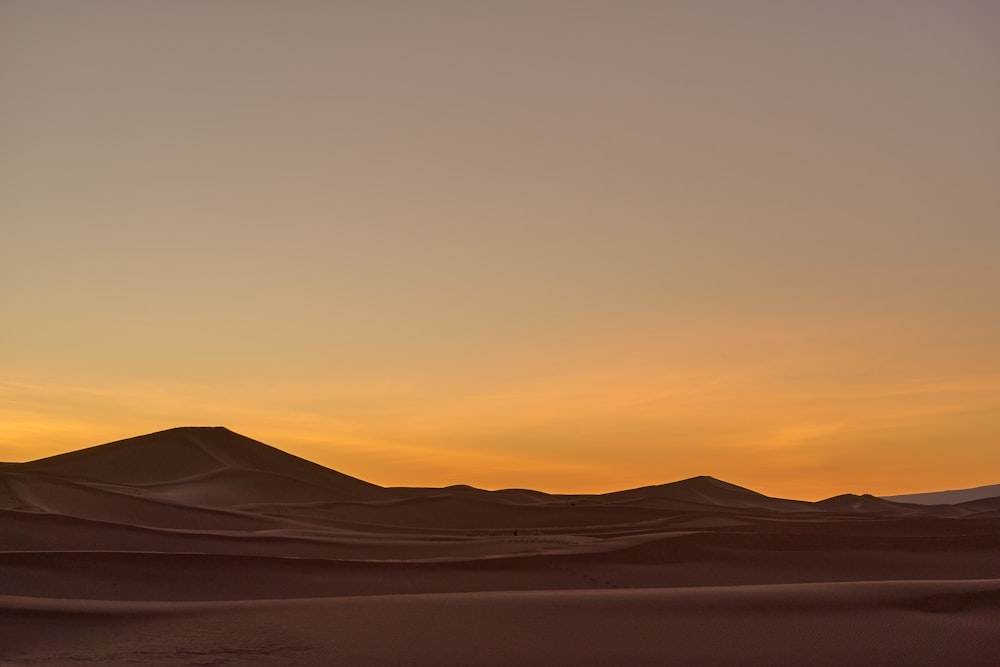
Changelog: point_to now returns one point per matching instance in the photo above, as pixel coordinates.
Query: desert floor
(198, 546)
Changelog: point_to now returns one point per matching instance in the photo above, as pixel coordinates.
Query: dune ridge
(167, 547)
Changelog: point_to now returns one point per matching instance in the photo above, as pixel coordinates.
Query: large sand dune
(201, 546)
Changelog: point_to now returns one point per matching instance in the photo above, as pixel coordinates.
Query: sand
(198, 546)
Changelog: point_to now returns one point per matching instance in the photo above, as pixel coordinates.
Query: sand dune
(201, 546)
(866, 503)
(187, 454)
(983, 508)
(926, 623)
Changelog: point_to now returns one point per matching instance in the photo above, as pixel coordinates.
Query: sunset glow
(571, 246)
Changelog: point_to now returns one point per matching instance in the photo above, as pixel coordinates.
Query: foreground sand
(201, 547)
(868, 623)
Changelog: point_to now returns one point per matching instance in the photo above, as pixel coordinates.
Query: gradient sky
(576, 246)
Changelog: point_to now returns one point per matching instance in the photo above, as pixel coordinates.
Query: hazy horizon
(457, 482)
(574, 246)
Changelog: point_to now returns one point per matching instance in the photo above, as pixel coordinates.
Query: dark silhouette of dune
(205, 461)
(165, 548)
(702, 490)
(515, 496)
(865, 503)
(983, 507)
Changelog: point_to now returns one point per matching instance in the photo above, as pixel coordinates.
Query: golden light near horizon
(573, 246)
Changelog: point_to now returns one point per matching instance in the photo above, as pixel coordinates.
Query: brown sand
(198, 546)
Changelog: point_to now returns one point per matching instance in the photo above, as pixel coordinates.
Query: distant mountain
(952, 497)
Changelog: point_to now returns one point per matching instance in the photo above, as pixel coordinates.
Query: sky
(577, 246)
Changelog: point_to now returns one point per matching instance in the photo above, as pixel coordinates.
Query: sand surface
(199, 546)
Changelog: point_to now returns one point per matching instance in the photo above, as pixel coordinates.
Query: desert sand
(199, 546)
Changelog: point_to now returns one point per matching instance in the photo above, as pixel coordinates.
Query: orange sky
(576, 246)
